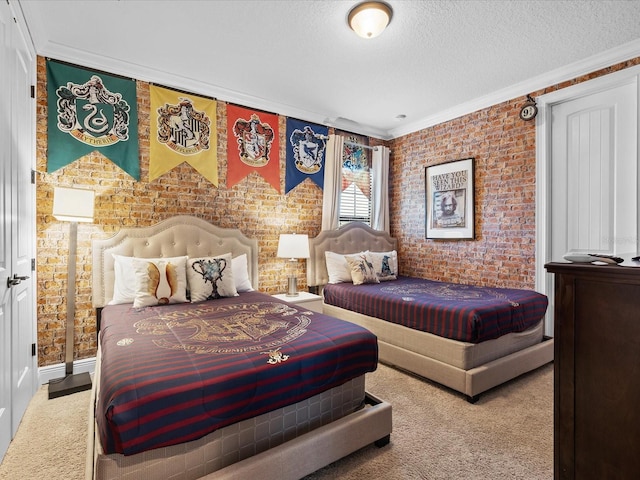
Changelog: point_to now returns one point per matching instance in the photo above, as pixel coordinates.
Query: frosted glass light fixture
(369, 19)
(293, 247)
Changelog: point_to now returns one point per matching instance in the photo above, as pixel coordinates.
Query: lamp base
(292, 287)
(69, 384)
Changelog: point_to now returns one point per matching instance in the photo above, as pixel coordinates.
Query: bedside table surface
(309, 300)
(301, 297)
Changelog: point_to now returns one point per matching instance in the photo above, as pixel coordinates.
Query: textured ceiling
(437, 59)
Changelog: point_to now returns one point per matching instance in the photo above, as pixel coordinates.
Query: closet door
(5, 234)
(18, 362)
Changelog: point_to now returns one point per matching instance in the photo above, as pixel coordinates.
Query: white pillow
(385, 264)
(361, 268)
(211, 277)
(159, 281)
(337, 267)
(241, 274)
(124, 285)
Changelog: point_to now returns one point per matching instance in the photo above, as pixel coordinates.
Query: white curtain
(332, 183)
(380, 191)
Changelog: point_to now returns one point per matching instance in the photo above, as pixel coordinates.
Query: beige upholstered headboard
(352, 238)
(176, 236)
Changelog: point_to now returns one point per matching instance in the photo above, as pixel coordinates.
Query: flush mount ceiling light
(369, 19)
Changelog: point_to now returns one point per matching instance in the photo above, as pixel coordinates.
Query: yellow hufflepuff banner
(182, 130)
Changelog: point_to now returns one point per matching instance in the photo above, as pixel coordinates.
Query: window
(355, 196)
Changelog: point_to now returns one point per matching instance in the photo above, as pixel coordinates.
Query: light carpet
(437, 434)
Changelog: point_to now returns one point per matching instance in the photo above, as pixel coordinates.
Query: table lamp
(293, 247)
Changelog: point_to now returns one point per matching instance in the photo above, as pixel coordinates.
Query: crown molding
(568, 72)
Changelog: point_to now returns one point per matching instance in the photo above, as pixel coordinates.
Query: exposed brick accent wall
(501, 255)
(252, 206)
(503, 145)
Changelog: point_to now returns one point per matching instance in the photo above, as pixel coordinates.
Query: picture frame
(450, 200)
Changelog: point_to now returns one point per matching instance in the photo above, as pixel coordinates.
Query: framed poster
(449, 196)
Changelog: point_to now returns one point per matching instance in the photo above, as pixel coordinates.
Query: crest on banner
(254, 140)
(184, 129)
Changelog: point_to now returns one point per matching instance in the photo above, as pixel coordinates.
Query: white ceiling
(436, 61)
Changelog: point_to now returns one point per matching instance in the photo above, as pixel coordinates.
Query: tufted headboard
(176, 236)
(351, 238)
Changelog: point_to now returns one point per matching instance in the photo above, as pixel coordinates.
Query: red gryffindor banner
(252, 145)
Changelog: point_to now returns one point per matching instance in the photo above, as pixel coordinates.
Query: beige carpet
(507, 434)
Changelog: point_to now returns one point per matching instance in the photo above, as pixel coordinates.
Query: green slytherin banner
(90, 111)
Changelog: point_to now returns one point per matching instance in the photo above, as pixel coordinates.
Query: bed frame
(465, 367)
(333, 426)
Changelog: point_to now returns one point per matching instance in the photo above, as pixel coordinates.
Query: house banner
(89, 112)
(356, 166)
(181, 132)
(252, 145)
(306, 147)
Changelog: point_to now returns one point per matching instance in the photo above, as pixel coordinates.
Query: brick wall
(501, 255)
(503, 145)
(252, 205)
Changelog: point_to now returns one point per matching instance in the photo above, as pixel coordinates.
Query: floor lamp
(293, 247)
(71, 205)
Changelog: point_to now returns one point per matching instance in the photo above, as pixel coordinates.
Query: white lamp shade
(369, 19)
(292, 245)
(73, 204)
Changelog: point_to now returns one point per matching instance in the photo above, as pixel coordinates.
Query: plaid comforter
(460, 312)
(174, 373)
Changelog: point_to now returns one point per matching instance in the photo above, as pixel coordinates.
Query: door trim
(545, 103)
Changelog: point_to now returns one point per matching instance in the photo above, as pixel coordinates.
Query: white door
(18, 364)
(594, 173)
(5, 235)
(587, 173)
(24, 358)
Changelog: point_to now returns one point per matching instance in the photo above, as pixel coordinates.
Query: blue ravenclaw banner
(306, 147)
(91, 112)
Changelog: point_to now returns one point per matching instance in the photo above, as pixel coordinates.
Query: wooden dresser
(597, 371)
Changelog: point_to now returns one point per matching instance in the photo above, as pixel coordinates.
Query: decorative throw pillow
(385, 264)
(124, 286)
(211, 277)
(337, 267)
(362, 269)
(241, 274)
(159, 281)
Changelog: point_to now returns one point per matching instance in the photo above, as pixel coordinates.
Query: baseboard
(51, 372)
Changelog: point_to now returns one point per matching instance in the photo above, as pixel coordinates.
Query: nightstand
(304, 300)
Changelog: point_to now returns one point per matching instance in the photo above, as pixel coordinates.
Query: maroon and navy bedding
(174, 373)
(460, 312)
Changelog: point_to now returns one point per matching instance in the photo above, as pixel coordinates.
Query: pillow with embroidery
(385, 265)
(361, 268)
(159, 281)
(211, 277)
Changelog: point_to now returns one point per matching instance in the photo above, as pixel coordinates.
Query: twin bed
(467, 338)
(231, 384)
